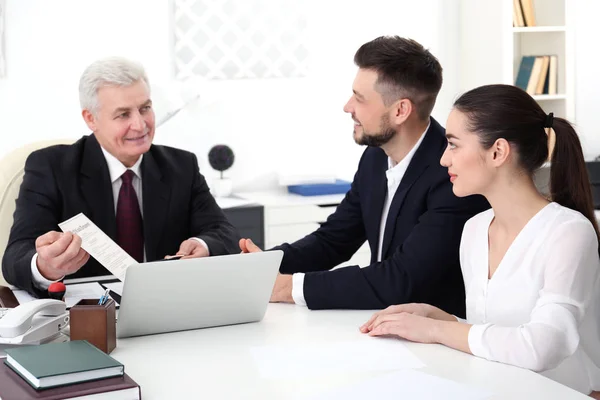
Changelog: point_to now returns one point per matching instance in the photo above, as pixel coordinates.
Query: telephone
(33, 322)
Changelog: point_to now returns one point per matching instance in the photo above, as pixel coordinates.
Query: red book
(13, 387)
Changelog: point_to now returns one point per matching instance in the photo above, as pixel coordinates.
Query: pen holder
(95, 323)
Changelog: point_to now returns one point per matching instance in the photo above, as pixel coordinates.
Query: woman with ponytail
(530, 264)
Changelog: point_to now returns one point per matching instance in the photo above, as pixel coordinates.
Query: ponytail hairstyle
(507, 112)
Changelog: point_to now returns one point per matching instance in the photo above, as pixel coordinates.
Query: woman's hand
(420, 309)
(413, 327)
(421, 323)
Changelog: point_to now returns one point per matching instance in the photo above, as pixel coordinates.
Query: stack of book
(523, 13)
(69, 370)
(538, 74)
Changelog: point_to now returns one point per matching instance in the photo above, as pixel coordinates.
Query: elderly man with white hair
(152, 200)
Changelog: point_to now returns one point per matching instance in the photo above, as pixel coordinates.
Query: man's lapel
(378, 193)
(156, 195)
(96, 187)
(427, 153)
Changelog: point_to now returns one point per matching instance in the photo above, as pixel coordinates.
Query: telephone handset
(33, 321)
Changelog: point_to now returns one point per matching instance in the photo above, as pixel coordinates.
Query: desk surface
(216, 362)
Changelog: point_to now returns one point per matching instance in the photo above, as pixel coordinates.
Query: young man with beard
(401, 199)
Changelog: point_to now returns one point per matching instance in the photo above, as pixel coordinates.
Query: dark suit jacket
(62, 181)
(420, 243)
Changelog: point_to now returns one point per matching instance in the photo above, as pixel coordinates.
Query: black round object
(221, 157)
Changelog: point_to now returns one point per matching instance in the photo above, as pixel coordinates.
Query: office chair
(11, 175)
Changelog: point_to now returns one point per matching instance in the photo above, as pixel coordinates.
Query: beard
(378, 139)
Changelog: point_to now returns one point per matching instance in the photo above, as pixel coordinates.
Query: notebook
(13, 387)
(56, 364)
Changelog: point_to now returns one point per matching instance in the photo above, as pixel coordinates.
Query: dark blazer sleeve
(415, 269)
(208, 222)
(333, 243)
(35, 214)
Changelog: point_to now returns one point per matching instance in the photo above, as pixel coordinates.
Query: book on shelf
(553, 75)
(518, 19)
(13, 387)
(58, 364)
(547, 80)
(539, 89)
(535, 75)
(524, 72)
(528, 12)
(538, 74)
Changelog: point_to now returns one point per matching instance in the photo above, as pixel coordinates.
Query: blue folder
(320, 189)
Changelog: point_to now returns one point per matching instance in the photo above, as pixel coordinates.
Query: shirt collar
(116, 167)
(403, 165)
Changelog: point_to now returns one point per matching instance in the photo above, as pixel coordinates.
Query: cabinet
(249, 222)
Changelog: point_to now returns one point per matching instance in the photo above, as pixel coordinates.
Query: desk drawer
(297, 214)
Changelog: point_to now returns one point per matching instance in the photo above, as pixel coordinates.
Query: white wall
(49, 43)
(271, 125)
(481, 43)
(587, 84)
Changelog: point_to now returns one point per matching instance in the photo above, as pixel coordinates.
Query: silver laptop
(167, 296)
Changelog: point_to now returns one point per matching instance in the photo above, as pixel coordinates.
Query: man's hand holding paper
(99, 245)
(59, 254)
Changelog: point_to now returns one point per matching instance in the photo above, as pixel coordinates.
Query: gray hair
(111, 71)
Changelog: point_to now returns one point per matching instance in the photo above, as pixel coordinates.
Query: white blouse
(540, 308)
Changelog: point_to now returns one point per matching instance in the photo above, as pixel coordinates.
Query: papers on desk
(74, 293)
(406, 384)
(368, 354)
(99, 245)
(231, 202)
(116, 287)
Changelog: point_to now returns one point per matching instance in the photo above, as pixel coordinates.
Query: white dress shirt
(394, 175)
(540, 308)
(115, 169)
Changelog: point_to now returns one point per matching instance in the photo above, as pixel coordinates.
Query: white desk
(216, 363)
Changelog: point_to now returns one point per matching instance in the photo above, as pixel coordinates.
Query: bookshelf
(552, 35)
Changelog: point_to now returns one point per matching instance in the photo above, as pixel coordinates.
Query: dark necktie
(130, 232)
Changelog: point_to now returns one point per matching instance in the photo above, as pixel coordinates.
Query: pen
(104, 297)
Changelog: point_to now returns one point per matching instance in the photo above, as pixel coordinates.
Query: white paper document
(73, 294)
(368, 354)
(22, 296)
(231, 202)
(116, 287)
(406, 384)
(99, 245)
(83, 291)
